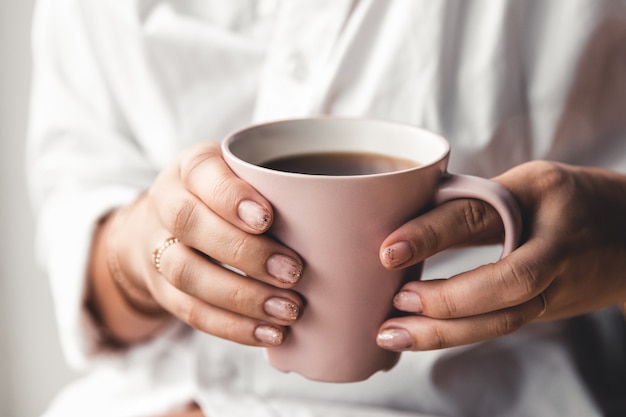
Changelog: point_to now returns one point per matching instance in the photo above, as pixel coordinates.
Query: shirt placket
(303, 39)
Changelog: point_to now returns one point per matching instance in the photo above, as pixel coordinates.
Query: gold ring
(158, 252)
(544, 301)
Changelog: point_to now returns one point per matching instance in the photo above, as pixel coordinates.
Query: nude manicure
(254, 215)
(284, 268)
(394, 339)
(397, 254)
(268, 334)
(408, 301)
(282, 309)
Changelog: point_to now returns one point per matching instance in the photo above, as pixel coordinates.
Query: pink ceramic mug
(337, 224)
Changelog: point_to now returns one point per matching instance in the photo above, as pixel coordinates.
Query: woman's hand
(572, 259)
(217, 220)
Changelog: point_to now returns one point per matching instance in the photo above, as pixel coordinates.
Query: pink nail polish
(281, 308)
(408, 301)
(284, 268)
(268, 334)
(254, 215)
(397, 254)
(394, 339)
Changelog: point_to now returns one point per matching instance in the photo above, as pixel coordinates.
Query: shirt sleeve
(81, 162)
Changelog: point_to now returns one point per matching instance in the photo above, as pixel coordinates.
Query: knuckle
(439, 338)
(222, 184)
(476, 216)
(222, 325)
(429, 241)
(241, 248)
(520, 280)
(507, 322)
(192, 315)
(447, 305)
(195, 156)
(237, 298)
(550, 176)
(178, 274)
(183, 217)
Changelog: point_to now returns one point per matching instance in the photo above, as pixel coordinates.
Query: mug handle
(455, 186)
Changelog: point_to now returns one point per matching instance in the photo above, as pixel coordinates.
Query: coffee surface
(339, 163)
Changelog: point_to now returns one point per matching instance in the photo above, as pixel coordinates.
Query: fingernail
(268, 334)
(281, 309)
(254, 215)
(394, 339)
(397, 254)
(284, 268)
(408, 301)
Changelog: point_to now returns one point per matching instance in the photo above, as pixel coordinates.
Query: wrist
(120, 317)
(133, 291)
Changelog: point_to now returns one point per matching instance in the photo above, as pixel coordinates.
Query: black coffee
(339, 163)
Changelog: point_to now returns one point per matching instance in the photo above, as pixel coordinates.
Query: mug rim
(230, 138)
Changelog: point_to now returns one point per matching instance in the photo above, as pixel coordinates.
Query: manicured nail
(408, 301)
(254, 215)
(284, 268)
(281, 309)
(394, 339)
(397, 254)
(269, 334)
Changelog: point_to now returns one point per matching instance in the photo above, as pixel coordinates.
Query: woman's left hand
(572, 259)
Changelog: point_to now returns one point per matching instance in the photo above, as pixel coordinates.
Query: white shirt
(122, 86)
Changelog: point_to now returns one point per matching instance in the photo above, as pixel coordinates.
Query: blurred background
(32, 369)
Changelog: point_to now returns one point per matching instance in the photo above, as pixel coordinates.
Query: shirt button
(296, 67)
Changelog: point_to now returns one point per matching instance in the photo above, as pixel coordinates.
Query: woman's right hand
(218, 220)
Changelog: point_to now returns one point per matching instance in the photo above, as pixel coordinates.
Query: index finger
(205, 174)
(457, 222)
(511, 281)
